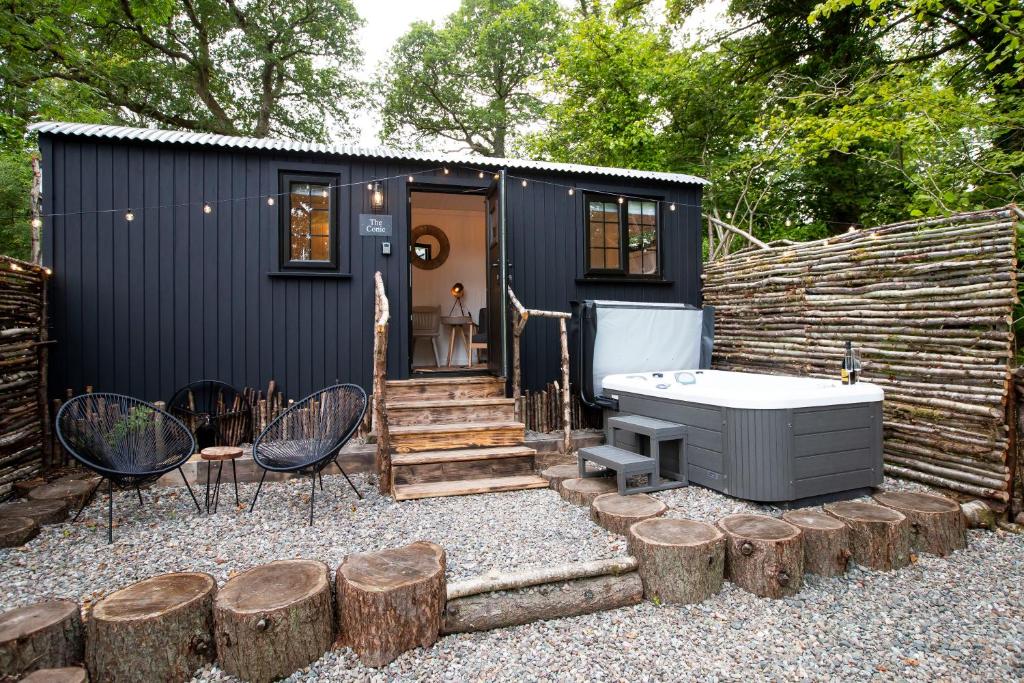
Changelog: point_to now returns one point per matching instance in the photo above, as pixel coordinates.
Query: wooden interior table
(458, 324)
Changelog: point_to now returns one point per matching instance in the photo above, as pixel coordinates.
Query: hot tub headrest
(614, 337)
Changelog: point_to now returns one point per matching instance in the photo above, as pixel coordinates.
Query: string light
(129, 215)
(270, 201)
(622, 200)
(481, 174)
(671, 207)
(48, 271)
(411, 179)
(524, 182)
(571, 191)
(37, 222)
(207, 209)
(446, 171)
(369, 186)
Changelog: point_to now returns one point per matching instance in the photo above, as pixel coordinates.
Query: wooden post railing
(520, 316)
(381, 319)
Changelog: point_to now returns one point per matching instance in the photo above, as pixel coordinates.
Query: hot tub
(765, 438)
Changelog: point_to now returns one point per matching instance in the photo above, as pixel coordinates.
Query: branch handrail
(521, 315)
(381, 319)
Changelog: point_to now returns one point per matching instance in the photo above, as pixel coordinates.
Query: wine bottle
(844, 373)
(854, 367)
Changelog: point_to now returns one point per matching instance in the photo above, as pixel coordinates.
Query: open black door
(497, 278)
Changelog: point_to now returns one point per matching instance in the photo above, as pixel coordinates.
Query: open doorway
(448, 281)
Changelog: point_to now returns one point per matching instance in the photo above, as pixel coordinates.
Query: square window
(622, 239)
(309, 226)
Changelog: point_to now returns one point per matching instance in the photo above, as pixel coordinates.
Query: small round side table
(220, 454)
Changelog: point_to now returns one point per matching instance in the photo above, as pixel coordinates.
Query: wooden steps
(469, 487)
(456, 436)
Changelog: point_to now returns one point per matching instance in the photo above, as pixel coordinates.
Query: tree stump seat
(16, 531)
(937, 524)
(826, 541)
(582, 492)
(274, 619)
(618, 513)
(681, 561)
(66, 674)
(879, 536)
(42, 511)
(159, 629)
(764, 555)
(44, 635)
(74, 491)
(391, 601)
(556, 474)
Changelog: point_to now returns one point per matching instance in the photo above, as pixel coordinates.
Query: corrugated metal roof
(230, 141)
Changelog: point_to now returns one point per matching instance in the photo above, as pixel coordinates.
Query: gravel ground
(955, 618)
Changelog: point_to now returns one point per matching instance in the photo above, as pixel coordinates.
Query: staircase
(455, 436)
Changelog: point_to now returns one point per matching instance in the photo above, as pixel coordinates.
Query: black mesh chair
(309, 435)
(215, 412)
(126, 441)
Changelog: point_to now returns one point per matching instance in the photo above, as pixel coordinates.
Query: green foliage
(472, 79)
(137, 421)
(15, 180)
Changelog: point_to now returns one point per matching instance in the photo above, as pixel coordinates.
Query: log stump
(826, 541)
(45, 635)
(681, 561)
(15, 531)
(42, 511)
(274, 619)
(879, 536)
(617, 513)
(937, 524)
(763, 555)
(159, 629)
(582, 492)
(391, 601)
(74, 491)
(21, 488)
(67, 674)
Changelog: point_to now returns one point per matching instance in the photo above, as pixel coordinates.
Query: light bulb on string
(48, 271)
(411, 179)
(622, 200)
(671, 207)
(524, 183)
(446, 171)
(207, 209)
(129, 215)
(571, 191)
(270, 201)
(481, 174)
(369, 186)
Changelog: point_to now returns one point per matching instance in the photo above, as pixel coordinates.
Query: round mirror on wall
(429, 248)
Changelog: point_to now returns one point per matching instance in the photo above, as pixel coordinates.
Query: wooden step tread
(454, 427)
(610, 456)
(461, 455)
(468, 487)
(449, 403)
(434, 381)
(648, 426)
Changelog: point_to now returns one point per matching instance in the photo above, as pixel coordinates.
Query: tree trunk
(42, 511)
(68, 674)
(681, 561)
(391, 601)
(764, 555)
(879, 537)
(936, 522)
(44, 635)
(534, 576)
(582, 492)
(274, 619)
(617, 513)
(159, 629)
(16, 531)
(556, 474)
(74, 491)
(485, 611)
(826, 542)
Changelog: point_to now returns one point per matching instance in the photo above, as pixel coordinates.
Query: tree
(263, 67)
(472, 80)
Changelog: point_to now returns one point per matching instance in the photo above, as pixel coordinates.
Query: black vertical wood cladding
(177, 295)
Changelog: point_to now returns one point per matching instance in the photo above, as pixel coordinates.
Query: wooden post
(566, 407)
(36, 196)
(380, 360)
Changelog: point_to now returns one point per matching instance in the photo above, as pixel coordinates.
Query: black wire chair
(126, 441)
(309, 435)
(214, 411)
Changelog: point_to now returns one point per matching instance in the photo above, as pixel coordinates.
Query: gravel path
(956, 618)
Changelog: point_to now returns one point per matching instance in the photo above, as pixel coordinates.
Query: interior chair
(426, 325)
(308, 436)
(214, 411)
(126, 441)
(479, 340)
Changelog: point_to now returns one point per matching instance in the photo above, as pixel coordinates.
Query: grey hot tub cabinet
(771, 456)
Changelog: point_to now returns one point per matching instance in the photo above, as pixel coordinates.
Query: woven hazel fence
(928, 302)
(24, 425)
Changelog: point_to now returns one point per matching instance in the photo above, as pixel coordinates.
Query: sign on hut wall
(23, 425)
(374, 225)
(928, 302)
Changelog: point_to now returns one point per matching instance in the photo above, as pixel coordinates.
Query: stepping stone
(42, 511)
(582, 492)
(879, 536)
(763, 555)
(556, 474)
(67, 674)
(617, 513)
(274, 620)
(681, 561)
(16, 531)
(391, 601)
(159, 629)
(826, 541)
(937, 524)
(44, 635)
(74, 491)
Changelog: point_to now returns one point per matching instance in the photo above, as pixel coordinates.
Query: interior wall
(462, 218)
